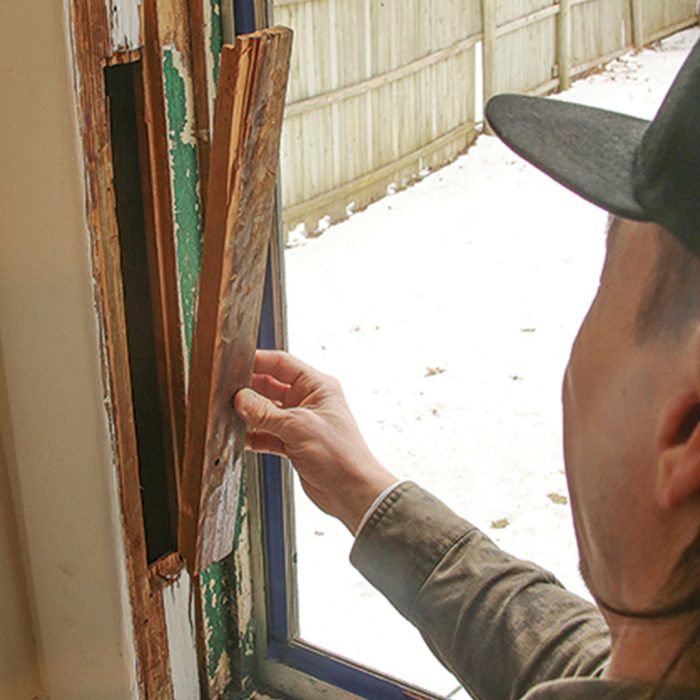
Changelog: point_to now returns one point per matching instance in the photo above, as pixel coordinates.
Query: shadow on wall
(20, 674)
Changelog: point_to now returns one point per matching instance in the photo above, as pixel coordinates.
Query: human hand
(296, 411)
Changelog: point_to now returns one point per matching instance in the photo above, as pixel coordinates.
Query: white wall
(20, 675)
(58, 493)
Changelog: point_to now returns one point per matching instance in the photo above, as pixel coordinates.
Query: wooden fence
(383, 90)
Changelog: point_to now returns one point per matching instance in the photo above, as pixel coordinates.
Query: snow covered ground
(447, 311)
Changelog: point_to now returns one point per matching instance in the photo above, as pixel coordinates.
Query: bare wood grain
(237, 230)
(489, 53)
(564, 44)
(637, 8)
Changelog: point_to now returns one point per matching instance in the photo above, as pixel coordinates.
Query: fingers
(282, 366)
(270, 387)
(258, 412)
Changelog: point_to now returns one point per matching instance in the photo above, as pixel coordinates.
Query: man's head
(632, 387)
(631, 413)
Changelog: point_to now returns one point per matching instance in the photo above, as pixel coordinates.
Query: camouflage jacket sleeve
(501, 625)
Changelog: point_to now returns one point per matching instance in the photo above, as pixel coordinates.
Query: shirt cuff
(409, 532)
(375, 505)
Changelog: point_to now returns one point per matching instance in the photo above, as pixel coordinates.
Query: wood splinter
(239, 220)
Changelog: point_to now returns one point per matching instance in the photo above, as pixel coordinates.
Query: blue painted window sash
(280, 646)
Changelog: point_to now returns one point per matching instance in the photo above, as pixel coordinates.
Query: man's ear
(678, 473)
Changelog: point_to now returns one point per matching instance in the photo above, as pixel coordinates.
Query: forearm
(499, 624)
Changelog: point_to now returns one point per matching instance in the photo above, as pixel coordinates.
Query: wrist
(360, 497)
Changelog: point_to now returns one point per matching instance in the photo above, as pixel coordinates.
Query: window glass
(447, 311)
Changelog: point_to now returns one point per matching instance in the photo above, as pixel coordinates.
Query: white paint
(181, 638)
(125, 21)
(209, 59)
(188, 134)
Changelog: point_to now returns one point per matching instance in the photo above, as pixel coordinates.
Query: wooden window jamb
(92, 53)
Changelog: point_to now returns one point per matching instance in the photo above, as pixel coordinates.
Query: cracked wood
(237, 229)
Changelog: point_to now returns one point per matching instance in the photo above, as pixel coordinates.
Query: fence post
(564, 44)
(488, 51)
(637, 9)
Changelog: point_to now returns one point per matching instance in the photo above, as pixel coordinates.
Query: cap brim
(588, 150)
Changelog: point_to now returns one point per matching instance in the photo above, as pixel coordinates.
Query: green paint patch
(230, 641)
(187, 203)
(215, 38)
(220, 632)
(227, 637)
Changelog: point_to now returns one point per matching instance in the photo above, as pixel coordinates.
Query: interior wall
(61, 515)
(20, 675)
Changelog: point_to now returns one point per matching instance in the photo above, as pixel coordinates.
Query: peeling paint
(181, 639)
(228, 614)
(212, 30)
(184, 169)
(125, 24)
(224, 637)
(183, 128)
(222, 675)
(226, 587)
(215, 40)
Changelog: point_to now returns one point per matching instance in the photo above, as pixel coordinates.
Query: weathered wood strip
(186, 145)
(158, 200)
(488, 50)
(90, 25)
(237, 229)
(564, 44)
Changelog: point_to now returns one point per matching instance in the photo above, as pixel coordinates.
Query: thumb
(256, 411)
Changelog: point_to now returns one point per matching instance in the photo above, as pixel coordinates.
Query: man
(631, 431)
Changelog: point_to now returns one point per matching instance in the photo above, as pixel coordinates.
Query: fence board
(599, 29)
(526, 51)
(381, 91)
(659, 15)
(510, 10)
(388, 80)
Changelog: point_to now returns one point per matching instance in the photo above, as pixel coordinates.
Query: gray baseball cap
(633, 168)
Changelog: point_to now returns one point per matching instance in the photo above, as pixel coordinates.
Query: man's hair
(672, 297)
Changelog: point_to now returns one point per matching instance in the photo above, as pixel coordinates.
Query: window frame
(247, 641)
(285, 662)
